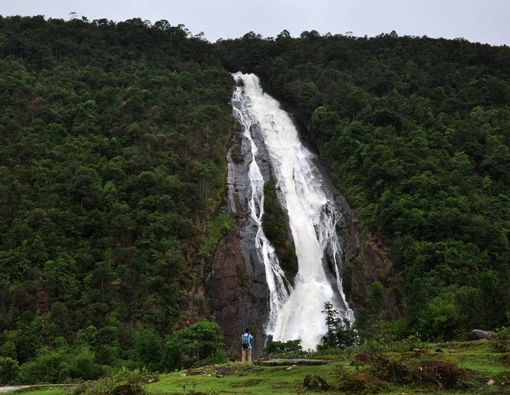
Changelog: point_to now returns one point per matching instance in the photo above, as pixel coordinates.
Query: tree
(341, 333)
(195, 344)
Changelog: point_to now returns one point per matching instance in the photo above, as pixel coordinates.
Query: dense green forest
(113, 140)
(112, 169)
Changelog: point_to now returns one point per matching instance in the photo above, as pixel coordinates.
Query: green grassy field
(461, 368)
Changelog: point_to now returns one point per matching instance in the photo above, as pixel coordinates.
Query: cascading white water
(295, 312)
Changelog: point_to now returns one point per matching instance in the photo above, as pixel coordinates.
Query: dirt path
(13, 388)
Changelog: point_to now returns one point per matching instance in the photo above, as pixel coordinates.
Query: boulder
(479, 334)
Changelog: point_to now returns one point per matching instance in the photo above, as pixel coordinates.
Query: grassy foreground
(461, 368)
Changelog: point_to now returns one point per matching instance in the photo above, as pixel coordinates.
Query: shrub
(9, 369)
(503, 339)
(148, 349)
(60, 365)
(195, 345)
(288, 349)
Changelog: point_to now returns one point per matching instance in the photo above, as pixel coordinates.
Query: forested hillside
(113, 139)
(417, 132)
(112, 168)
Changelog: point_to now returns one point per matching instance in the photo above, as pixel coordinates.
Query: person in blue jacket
(246, 339)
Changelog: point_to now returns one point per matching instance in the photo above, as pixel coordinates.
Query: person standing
(246, 339)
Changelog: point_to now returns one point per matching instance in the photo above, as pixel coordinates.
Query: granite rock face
(235, 281)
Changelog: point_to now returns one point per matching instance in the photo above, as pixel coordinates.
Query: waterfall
(295, 312)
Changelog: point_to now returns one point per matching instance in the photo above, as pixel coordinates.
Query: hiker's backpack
(244, 341)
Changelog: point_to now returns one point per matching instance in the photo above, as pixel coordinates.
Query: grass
(48, 390)
(240, 380)
(462, 368)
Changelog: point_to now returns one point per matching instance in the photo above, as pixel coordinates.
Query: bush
(148, 349)
(503, 339)
(9, 369)
(195, 345)
(289, 349)
(60, 366)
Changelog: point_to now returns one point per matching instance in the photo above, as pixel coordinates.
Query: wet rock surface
(235, 280)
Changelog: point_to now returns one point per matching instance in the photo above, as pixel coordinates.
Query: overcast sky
(484, 21)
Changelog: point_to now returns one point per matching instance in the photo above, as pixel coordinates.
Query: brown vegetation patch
(446, 375)
(315, 383)
(225, 371)
(362, 382)
(503, 377)
(385, 368)
(505, 358)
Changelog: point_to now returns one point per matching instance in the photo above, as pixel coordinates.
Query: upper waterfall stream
(295, 311)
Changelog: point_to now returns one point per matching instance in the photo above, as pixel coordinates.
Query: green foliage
(60, 365)
(125, 381)
(273, 220)
(112, 175)
(221, 225)
(198, 344)
(9, 370)
(341, 332)
(149, 350)
(503, 339)
(274, 224)
(288, 349)
(370, 317)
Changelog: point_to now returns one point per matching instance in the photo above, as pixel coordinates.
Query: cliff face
(237, 296)
(235, 280)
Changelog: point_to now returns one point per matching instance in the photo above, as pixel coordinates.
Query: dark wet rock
(479, 334)
(235, 281)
